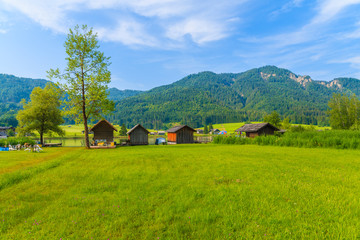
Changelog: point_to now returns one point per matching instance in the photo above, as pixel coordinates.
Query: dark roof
(255, 127)
(177, 128)
(6, 128)
(105, 122)
(136, 126)
(3, 134)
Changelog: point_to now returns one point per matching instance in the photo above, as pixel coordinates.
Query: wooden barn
(258, 129)
(180, 134)
(103, 131)
(138, 135)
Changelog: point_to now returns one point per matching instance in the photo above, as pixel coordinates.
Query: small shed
(138, 135)
(215, 131)
(181, 134)
(3, 135)
(258, 129)
(103, 131)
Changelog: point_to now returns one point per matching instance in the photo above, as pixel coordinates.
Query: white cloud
(329, 9)
(288, 7)
(127, 32)
(353, 61)
(152, 22)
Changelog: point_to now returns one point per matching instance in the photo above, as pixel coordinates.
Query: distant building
(4, 131)
(161, 132)
(258, 129)
(3, 135)
(215, 131)
(200, 131)
(181, 134)
(138, 135)
(103, 131)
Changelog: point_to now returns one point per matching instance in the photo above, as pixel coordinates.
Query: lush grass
(231, 127)
(341, 139)
(177, 192)
(16, 140)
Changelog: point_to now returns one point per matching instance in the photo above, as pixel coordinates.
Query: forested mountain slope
(208, 97)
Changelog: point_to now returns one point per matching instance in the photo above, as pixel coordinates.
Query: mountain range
(208, 97)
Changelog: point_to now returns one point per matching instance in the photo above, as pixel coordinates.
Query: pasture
(203, 191)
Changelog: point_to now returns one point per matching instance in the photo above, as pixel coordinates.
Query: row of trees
(80, 89)
(344, 112)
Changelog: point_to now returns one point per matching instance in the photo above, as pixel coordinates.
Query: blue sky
(157, 42)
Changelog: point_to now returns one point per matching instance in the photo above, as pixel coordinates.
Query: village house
(200, 131)
(258, 129)
(103, 132)
(215, 131)
(138, 135)
(181, 134)
(4, 131)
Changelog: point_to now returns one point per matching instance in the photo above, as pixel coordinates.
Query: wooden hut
(180, 134)
(254, 130)
(138, 135)
(103, 131)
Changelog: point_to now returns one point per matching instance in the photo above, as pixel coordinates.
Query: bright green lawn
(180, 192)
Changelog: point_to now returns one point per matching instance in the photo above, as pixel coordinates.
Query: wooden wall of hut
(139, 136)
(104, 132)
(184, 135)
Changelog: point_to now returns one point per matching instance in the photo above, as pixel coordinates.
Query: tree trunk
(87, 143)
(42, 138)
(86, 129)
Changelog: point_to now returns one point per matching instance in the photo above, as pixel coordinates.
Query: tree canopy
(273, 118)
(344, 111)
(42, 113)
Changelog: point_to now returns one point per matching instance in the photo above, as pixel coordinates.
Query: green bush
(15, 141)
(300, 137)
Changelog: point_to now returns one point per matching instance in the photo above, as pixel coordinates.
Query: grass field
(180, 192)
(231, 127)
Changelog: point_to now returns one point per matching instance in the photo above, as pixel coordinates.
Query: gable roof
(137, 126)
(177, 128)
(103, 120)
(6, 128)
(255, 127)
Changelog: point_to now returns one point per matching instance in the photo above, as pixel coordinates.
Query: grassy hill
(176, 192)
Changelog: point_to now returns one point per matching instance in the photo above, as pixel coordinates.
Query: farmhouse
(254, 130)
(138, 135)
(215, 131)
(4, 131)
(103, 131)
(180, 134)
(200, 131)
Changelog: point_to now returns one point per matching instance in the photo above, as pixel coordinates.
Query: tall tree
(344, 111)
(206, 130)
(273, 118)
(42, 113)
(86, 77)
(123, 130)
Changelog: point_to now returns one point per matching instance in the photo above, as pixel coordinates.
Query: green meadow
(203, 191)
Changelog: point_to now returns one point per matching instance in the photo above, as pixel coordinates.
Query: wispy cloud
(288, 7)
(143, 22)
